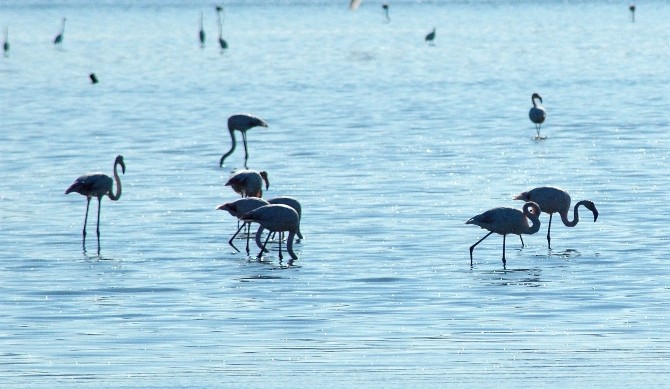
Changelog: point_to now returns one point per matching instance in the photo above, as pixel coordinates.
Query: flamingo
(632, 11)
(241, 123)
(537, 114)
(431, 36)
(276, 218)
(385, 7)
(506, 221)
(93, 78)
(222, 42)
(239, 208)
(249, 183)
(58, 40)
(291, 202)
(554, 200)
(201, 34)
(5, 45)
(98, 185)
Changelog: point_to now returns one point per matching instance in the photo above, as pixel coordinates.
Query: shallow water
(389, 143)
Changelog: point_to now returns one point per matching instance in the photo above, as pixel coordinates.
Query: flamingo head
(591, 207)
(119, 160)
(536, 96)
(525, 196)
(228, 207)
(264, 175)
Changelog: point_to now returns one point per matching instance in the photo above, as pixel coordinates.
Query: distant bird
(98, 185)
(93, 78)
(537, 114)
(5, 45)
(201, 34)
(222, 43)
(354, 4)
(506, 221)
(58, 40)
(276, 218)
(385, 7)
(241, 123)
(632, 11)
(249, 183)
(554, 200)
(431, 36)
(239, 208)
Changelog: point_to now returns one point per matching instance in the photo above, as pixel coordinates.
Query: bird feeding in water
(537, 114)
(554, 200)
(249, 183)
(430, 38)
(222, 42)
(276, 218)
(506, 221)
(98, 185)
(58, 40)
(201, 33)
(241, 123)
(239, 208)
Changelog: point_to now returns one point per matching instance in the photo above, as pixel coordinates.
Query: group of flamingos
(282, 214)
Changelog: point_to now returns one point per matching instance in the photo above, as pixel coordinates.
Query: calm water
(390, 144)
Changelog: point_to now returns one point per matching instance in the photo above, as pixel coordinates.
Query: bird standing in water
(276, 218)
(506, 221)
(58, 40)
(222, 43)
(241, 123)
(239, 208)
(431, 36)
(249, 183)
(554, 200)
(537, 114)
(5, 44)
(201, 33)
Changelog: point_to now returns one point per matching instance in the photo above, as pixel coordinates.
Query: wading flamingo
(276, 218)
(554, 200)
(291, 202)
(201, 33)
(385, 7)
(241, 123)
(5, 44)
(537, 114)
(431, 36)
(58, 40)
(506, 221)
(632, 11)
(222, 42)
(239, 208)
(98, 185)
(249, 183)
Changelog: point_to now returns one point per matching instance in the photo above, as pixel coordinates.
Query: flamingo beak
(520, 196)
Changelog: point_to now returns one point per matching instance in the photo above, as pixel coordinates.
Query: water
(390, 144)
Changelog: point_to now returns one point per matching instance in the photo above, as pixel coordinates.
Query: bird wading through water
(537, 114)
(241, 123)
(506, 221)
(58, 40)
(239, 208)
(222, 43)
(554, 200)
(201, 33)
(431, 36)
(276, 218)
(249, 183)
(98, 185)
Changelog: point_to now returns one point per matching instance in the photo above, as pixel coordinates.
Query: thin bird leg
(280, 256)
(97, 230)
(472, 248)
(504, 262)
(231, 239)
(260, 255)
(549, 231)
(522, 244)
(537, 128)
(88, 202)
(248, 235)
(246, 152)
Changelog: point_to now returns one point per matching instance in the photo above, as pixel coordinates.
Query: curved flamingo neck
(575, 217)
(535, 218)
(117, 195)
(289, 244)
(533, 100)
(232, 147)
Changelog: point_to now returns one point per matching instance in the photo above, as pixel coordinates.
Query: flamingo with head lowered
(506, 221)
(276, 218)
(249, 183)
(239, 208)
(98, 185)
(241, 123)
(554, 200)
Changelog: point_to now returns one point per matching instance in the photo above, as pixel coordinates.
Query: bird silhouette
(201, 34)
(537, 114)
(241, 123)
(276, 218)
(431, 36)
(554, 200)
(239, 208)
(385, 7)
(58, 40)
(5, 44)
(98, 185)
(293, 203)
(632, 11)
(222, 43)
(506, 221)
(249, 183)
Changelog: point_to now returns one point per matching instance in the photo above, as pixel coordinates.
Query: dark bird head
(264, 175)
(592, 207)
(218, 8)
(631, 7)
(525, 196)
(536, 96)
(385, 6)
(119, 160)
(230, 207)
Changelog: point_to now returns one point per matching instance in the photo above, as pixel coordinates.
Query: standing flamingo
(506, 221)
(431, 36)
(554, 200)
(58, 40)
(385, 7)
(222, 42)
(98, 185)
(276, 218)
(537, 114)
(239, 208)
(201, 34)
(5, 44)
(241, 123)
(632, 11)
(249, 183)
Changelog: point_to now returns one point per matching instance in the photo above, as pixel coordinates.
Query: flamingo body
(537, 113)
(58, 40)
(5, 44)
(241, 123)
(201, 33)
(431, 36)
(249, 183)
(276, 218)
(98, 185)
(505, 221)
(293, 203)
(555, 200)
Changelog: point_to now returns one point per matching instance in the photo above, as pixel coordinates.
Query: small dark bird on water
(632, 11)
(222, 42)
(5, 45)
(58, 40)
(201, 34)
(385, 7)
(537, 114)
(94, 78)
(430, 37)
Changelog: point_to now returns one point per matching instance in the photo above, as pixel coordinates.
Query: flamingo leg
(280, 239)
(97, 229)
(549, 231)
(522, 244)
(260, 255)
(504, 262)
(472, 248)
(88, 202)
(246, 152)
(231, 239)
(248, 235)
